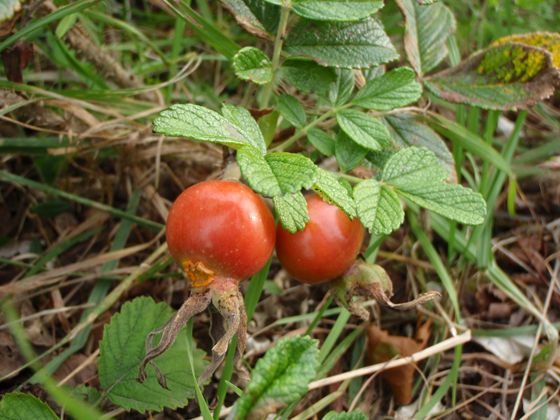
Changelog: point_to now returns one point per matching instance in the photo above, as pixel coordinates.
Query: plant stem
(278, 43)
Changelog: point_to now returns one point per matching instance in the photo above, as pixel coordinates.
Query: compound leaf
(379, 208)
(293, 171)
(342, 44)
(246, 124)
(279, 378)
(427, 28)
(292, 211)
(394, 89)
(367, 131)
(332, 191)
(123, 348)
(17, 405)
(252, 64)
(501, 77)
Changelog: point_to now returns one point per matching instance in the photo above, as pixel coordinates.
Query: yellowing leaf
(550, 41)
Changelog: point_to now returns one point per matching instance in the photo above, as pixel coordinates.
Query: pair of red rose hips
(222, 228)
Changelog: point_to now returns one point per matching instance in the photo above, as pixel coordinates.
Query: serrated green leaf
(123, 348)
(20, 406)
(413, 166)
(199, 123)
(408, 131)
(257, 172)
(349, 154)
(341, 89)
(292, 211)
(336, 10)
(293, 171)
(394, 89)
(323, 142)
(427, 28)
(8, 8)
(502, 77)
(342, 44)
(255, 16)
(332, 191)
(449, 200)
(280, 377)
(379, 208)
(291, 109)
(367, 131)
(246, 125)
(307, 76)
(353, 415)
(252, 64)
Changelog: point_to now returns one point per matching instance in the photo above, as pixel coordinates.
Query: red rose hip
(325, 249)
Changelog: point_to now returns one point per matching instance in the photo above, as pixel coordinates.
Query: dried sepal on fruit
(220, 233)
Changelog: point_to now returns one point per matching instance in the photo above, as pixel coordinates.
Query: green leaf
(502, 77)
(341, 89)
(307, 76)
(291, 109)
(367, 131)
(17, 405)
(394, 89)
(255, 16)
(65, 24)
(246, 125)
(379, 208)
(252, 64)
(427, 29)
(323, 142)
(267, 124)
(293, 171)
(349, 154)
(336, 10)
(353, 415)
(279, 378)
(452, 201)
(413, 166)
(257, 172)
(199, 123)
(332, 191)
(292, 211)
(342, 44)
(123, 348)
(408, 131)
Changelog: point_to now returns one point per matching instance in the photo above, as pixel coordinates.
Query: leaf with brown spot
(550, 41)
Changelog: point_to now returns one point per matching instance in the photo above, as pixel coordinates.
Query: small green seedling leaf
(242, 119)
(332, 191)
(17, 405)
(502, 77)
(199, 123)
(334, 10)
(427, 29)
(279, 378)
(352, 415)
(349, 154)
(408, 131)
(123, 348)
(292, 211)
(292, 171)
(341, 89)
(292, 110)
(367, 131)
(307, 76)
(257, 172)
(379, 208)
(252, 64)
(323, 142)
(394, 89)
(342, 44)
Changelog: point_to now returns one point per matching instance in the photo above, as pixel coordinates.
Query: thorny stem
(278, 43)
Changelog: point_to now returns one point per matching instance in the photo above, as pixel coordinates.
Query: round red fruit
(220, 228)
(325, 249)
